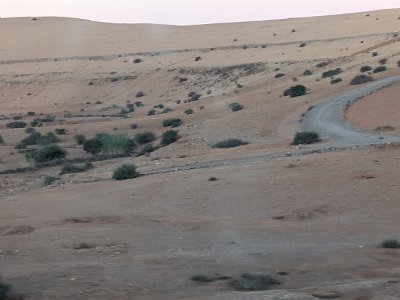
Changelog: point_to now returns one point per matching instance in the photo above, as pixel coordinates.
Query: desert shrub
(16, 118)
(47, 119)
(93, 146)
(365, 69)
(36, 123)
(359, 79)
(305, 137)
(390, 244)
(172, 123)
(250, 282)
(30, 113)
(379, 69)
(126, 171)
(166, 110)
(230, 143)
(331, 73)
(5, 289)
(137, 60)
(212, 179)
(336, 80)
(383, 61)
(169, 137)
(79, 139)
(47, 153)
(235, 106)
(148, 148)
(32, 139)
(71, 168)
(145, 137)
(60, 131)
(307, 73)
(398, 63)
(279, 75)
(323, 64)
(302, 45)
(139, 94)
(139, 103)
(115, 144)
(133, 126)
(49, 180)
(48, 138)
(374, 54)
(151, 112)
(1, 140)
(189, 111)
(295, 91)
(16, 124)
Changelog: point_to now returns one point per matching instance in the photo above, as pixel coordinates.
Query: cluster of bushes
(359, 79)
(332, 73)
(172, 123)
(295, 91)
(36, 138)
(108, 144)
(235, 106)
(229, 143)
(47, 153)
(305, 138)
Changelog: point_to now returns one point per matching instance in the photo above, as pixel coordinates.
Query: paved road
(327, 118)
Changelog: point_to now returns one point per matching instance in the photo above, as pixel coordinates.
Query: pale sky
(184, 12)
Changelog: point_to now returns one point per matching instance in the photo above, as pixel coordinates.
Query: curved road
(327, 118)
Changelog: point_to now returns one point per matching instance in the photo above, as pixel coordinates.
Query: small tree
(305, 137)
(93, 146)
(295, 91)
(169, 137)
(126, 171)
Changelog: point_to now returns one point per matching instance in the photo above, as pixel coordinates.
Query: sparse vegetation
(295, 91)
(16, 124)
(229, 143)
(305, 137)
(139, 94)
(359, 79)
(172, 123)
(115, 144)
(126, 171)
(235, 106)
(250, 282)
(71, 168)
(145, 137)
(169, 137)
(60, 131)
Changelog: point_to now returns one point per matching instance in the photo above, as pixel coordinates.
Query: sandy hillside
(313, 219)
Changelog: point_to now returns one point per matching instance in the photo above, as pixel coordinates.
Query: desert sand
(312, 219)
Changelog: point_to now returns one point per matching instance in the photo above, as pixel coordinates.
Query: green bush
(115, 144)
(36, 123)
(295, 91)
(47, 119)
(48, 138)
(126, 171)
(5, 290)
(30, 113)
(1, 140)
(172, 123)
(169, 137)
(305, 137)
(189, 111)
(30, 130)
(151, 112)
(331, 73)
(307, 73)
(145, 137)
(79, 139)
(235, 106)
(365, 69)
(383, 61)
(16, 124)
(146, 149)
(16, 118)
(230, 143)
(390, 244)
(133, 126)
(336, 80)
(379, 69)
(93, 146)
(139, 94)
(49, 180)
(46, 153)
(60, 131)
(359, 79)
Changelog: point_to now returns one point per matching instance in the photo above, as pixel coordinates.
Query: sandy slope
(319, 217)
